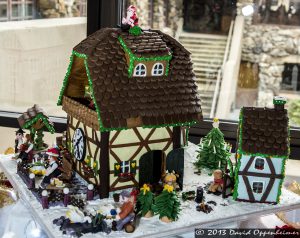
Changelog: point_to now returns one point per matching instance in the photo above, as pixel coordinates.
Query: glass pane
(33, 64)
(29, 10)
(17, 10)
(3, 10)
(58, 9)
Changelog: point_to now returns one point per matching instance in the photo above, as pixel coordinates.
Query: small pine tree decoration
(213, 150)
(146, 200)
(167, 204)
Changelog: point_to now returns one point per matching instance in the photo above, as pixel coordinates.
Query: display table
(226, 211)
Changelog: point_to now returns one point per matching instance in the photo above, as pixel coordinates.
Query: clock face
(79, 145)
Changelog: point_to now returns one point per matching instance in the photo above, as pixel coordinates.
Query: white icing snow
(189, 218)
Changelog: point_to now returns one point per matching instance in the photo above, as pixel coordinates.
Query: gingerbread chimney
(279, 102)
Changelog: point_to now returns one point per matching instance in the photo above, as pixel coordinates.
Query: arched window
(158, 69)
(140, 70)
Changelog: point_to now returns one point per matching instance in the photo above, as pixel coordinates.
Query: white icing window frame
(162, 69)
(135, 70)
(263, 186)
(254, 162)
(125, 164)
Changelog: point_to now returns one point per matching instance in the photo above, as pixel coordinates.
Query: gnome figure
(53, 170)
(126, 212)
(19, 140)
(26, 149)
(131, 19)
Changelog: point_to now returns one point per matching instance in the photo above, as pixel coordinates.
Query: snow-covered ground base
(152, 227)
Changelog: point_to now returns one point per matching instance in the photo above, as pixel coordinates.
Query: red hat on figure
(53, 152)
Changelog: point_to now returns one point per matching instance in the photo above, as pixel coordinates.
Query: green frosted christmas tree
(146, 201)
(213, 150)
(167, 204)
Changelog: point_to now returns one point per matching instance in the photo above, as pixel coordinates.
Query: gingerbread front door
(151, 167)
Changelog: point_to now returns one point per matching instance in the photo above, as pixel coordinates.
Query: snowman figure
(131, 19)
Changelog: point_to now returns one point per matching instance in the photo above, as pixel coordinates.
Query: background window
(140, 70)
(158, 69)
(259, 164)
(257, 187)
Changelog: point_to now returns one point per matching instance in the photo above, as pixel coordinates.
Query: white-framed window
(259, 163)
(258, 187)
(140, 70)
(125, 167)
(158, 69)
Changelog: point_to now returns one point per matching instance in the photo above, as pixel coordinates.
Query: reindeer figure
(170, 179)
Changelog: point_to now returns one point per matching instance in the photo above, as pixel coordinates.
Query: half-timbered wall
(130, 145)
(92, 149)
(245, 182)
(277, 163)
(243, 193)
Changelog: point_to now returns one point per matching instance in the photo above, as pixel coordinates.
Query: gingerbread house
(129, 100)
(263, 148)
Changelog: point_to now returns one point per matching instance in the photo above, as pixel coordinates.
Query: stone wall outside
(165, 18)
(270, 46)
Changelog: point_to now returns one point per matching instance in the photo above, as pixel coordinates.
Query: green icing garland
(102, 128)
(283, 168)
(187, 136)
(279, 102)
(35, 119)
(133, 58)
(241, 152)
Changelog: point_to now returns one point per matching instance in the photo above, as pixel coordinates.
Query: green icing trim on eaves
(77, 54)
(35, 119)
(237, 167)
(65, 82)
(283, 168)
(133, 57)
(236, 180)
(102, 128)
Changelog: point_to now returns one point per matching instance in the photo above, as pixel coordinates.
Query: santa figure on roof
(131, 19)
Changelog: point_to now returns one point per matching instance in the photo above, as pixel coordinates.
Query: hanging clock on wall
(79, 145)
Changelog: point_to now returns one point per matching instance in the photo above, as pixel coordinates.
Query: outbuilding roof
(265, 131)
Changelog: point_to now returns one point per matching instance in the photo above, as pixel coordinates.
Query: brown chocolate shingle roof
(31, 114)
(155, 100)
(148, 43)
(265, 130)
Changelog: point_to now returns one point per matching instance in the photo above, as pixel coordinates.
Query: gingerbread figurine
(217, 184)
(53, 170)
(126, 212)
(131, 19)
(170, 179)
(19, 140)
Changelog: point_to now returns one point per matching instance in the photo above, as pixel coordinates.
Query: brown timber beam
(176, 137)
(104, 165)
